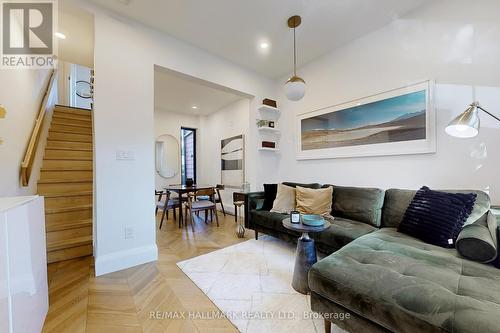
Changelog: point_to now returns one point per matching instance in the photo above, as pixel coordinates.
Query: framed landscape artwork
(400, 121)
(232, 161)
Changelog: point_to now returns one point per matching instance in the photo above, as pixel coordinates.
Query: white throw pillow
(285, 199)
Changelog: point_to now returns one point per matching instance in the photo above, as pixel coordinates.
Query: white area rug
(251, 283)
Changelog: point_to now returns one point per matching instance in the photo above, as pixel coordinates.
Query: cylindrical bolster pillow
(475, 243)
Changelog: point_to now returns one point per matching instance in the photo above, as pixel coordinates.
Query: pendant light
(295, 87)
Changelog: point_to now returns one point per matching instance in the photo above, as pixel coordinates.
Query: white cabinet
(23, 265)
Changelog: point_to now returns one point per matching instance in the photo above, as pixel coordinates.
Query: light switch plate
(125, 155)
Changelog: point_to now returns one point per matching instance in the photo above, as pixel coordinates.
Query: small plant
(263, 123)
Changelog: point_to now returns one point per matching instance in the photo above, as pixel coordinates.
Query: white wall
(231, 120)
(171, 123)
(452, 42)
(125, 55)
(21, 92)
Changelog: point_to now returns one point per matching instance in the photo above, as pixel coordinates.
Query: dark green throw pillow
(477, 241)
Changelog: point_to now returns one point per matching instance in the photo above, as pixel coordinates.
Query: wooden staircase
(66, 181)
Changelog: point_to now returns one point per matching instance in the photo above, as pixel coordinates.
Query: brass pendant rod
(294, 55)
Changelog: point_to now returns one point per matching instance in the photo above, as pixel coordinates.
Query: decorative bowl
(313, 220)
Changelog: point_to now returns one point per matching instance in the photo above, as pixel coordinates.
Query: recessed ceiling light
(264, 45)
(60, 35)
(194, 107)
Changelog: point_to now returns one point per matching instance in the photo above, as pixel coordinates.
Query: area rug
(250, 283)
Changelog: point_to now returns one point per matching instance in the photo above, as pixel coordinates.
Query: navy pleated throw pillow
(437, 217)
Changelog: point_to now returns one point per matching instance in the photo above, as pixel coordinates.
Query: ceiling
(175, 92)
(78, 27)
(234, 29)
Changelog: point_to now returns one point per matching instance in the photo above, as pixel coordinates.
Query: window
(188, 154)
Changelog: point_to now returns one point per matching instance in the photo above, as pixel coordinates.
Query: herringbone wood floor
(123, 301)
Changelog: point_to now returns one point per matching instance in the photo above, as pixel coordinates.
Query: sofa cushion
(314, 201)
(397, 200)
(406, 285)
(357, 203)
(267, 219)
(285, 199)
(437, 217)
(478, 241)
(341, 232)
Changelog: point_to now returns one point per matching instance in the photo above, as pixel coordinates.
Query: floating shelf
(269, 130)
(269, 149)
(268, 108)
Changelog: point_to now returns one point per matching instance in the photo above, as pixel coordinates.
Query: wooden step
(67, 181)
(69, 109)
(60, 236)
(67, 120)
(68, 200)
(73, 115)
(65, 225)
(71, 129)
(67, 165)
(68, 217)
(47, 188)
(66, 243)
(47, 175)
(56, 136)
(63, 154)
(70, 253)
(68, 145)
(68, 209)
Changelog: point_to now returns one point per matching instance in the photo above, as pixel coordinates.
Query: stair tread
(66, 169)
(63, 225)
(56, 131)
(58, 181)
(66, 194)
(55, 123)
(70, 242)
(71, 149)
(67, 209)
(68, 159)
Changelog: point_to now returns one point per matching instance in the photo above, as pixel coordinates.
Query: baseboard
(117, 261)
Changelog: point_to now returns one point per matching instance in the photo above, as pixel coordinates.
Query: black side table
(305, 256)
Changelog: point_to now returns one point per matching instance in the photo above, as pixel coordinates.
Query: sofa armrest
(494, 214)
(253, 201)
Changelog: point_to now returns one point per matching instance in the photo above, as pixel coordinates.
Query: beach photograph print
(395, 119)
(232, 157)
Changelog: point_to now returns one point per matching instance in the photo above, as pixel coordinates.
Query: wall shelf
(269, 149)
(270, 130)
(268, 108)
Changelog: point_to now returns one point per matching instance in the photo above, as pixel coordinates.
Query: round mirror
(167, 156)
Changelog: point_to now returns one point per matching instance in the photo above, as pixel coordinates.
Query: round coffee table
(305, 255)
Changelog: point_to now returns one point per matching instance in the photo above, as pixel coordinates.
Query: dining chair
(218, 199)
(160, 195)
(166, 205)
(195, 206)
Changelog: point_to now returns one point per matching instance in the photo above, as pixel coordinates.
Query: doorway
(188, 154)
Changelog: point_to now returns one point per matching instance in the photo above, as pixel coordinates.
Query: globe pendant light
(295, 87)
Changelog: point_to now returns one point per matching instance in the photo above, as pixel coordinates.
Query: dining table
(181, 189)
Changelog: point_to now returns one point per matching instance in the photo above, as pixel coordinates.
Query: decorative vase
(240, 230)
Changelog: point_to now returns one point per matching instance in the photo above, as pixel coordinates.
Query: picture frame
(396, 122)
(233, 161)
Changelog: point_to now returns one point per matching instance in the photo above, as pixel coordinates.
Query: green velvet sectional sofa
(387, 281)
